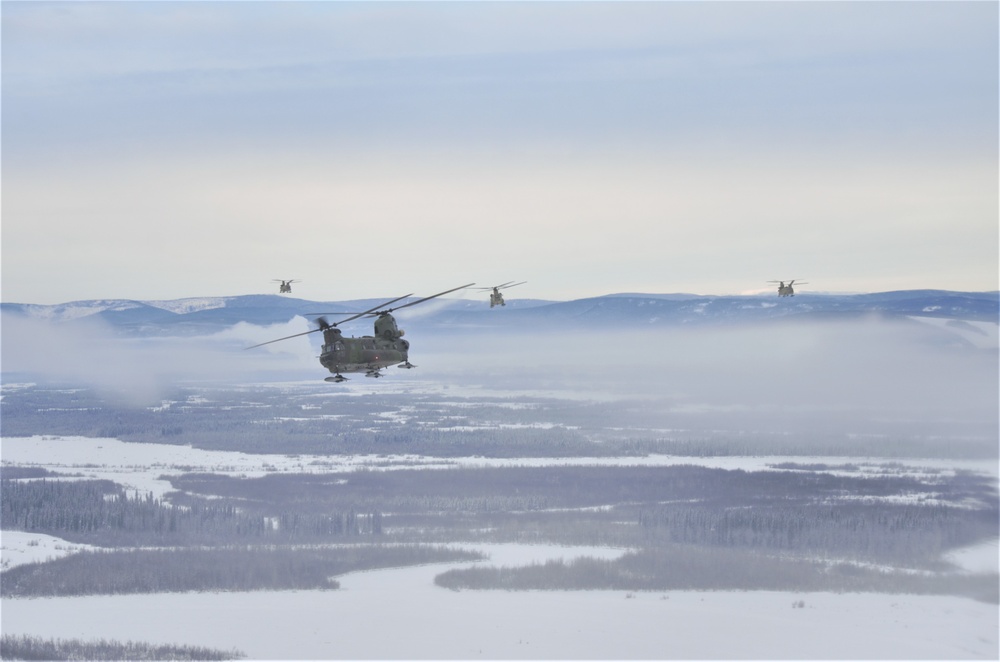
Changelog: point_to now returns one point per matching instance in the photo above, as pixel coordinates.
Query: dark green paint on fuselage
(366, 354)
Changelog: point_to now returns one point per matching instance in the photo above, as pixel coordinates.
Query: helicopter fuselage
(786, 290)
(367, 354)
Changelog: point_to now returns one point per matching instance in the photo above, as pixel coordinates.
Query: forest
(767, 529)
(872, 523)
(685, 568)
(35, 648)
(101, 512)
(220, 568)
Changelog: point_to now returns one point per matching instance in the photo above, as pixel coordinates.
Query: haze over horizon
(511, 298)
(159, 151)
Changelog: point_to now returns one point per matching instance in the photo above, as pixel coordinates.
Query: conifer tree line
(904, 534)
(695, 567)
(14, 647)
(104, 513)
(899, 518)
(224, 568)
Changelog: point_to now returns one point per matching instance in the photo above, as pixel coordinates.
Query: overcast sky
(184, 149)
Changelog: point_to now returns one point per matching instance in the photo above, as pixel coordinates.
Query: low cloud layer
(140, 370)
(863, 376)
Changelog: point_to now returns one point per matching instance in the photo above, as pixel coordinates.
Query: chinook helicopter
(286, 285)
(786, 290)
(496, 299)
(367, 354)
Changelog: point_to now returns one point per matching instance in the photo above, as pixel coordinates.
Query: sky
(166, 150)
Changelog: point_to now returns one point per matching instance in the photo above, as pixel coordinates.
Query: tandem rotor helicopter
(367, 354)
(496, 299)
(786, 290)
(286, 285)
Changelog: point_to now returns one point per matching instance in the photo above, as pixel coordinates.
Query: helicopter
(367, 354)
(496, 299)
(786, 290)
(286, 285)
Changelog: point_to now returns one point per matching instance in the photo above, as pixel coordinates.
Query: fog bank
(864, 376)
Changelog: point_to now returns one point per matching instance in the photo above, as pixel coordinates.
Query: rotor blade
(304, 333)
(433, 296)
(514, 285)
(327, 324)
(339, 312)
(370, 311)
(367, 312)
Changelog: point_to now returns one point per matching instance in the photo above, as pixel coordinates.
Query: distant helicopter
(786, 290)
(496, 299)
(367, 354)
(286, 285)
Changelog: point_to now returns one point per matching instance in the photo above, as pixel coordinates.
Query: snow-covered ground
(142, 467)
(401, 614)
(978, 558)
(20, 547)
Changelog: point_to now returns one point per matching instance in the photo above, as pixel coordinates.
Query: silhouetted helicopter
(496, 299)
(786, 290)
(286, 285)
(367, 354)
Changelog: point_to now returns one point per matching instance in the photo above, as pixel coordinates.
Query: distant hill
(652, 310)
(208, 315)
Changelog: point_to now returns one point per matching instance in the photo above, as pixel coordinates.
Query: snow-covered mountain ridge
(184, 306)
(208, 314)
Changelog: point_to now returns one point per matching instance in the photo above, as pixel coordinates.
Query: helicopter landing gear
(406, 365)
(374, 372)
(336, 378)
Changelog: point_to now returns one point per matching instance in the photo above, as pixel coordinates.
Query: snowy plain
(402, 614)
(144, 467)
